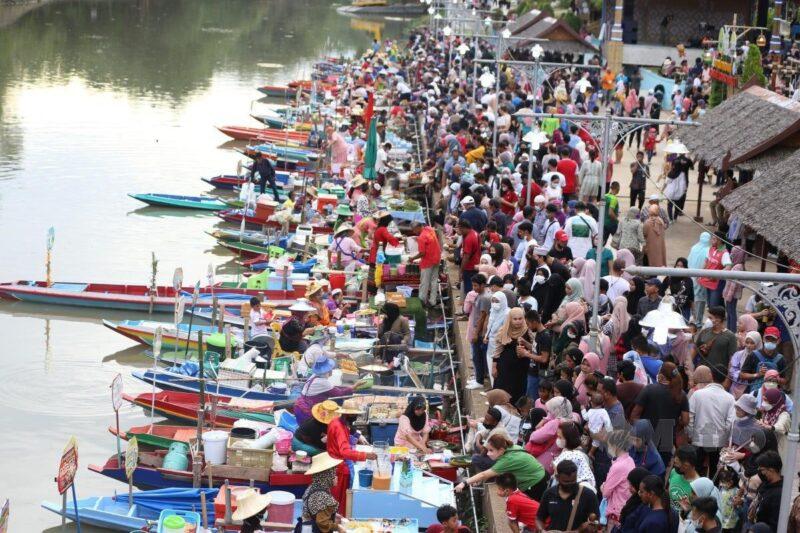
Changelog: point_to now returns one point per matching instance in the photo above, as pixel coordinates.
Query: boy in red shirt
(520, 508)
(470, 253)
(569, 169)
(447, 515)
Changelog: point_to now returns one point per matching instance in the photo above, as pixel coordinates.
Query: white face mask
(495, 306)
(561, 443)
(538, 279)
(509, 286)
(770, 385)
(770, 346)
(753, 447)
(766, 406)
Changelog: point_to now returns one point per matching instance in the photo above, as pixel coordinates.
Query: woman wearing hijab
(775, 417)
(550, 294)
(654, 231)
(643, 451)
(744, 325)
(394, 322)
(572, 328)
(587, 279)
(629, 235)
(616, 489)
(497, 318)
(702, 487)
(542, 442)
(697, 259)
(590, 364)
(320, 507)
(413, 428)
(627, 257)
(634, 509)
(511, 371)
(590, 175)
(732, 292)
(617, 323)
(486, 267)
(573, 294)
(681, 288)
(634, 294)
(501, 252)
(509, 415)
(752, 343)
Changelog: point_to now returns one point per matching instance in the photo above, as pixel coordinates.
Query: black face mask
(763, 478)
(569, 488)
(490, 427)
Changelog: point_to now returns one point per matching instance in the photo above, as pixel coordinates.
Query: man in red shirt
(470, 253)
(569, 169)
(520, 508)
(430, 255)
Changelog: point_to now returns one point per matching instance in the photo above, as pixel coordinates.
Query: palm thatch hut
(769, 205)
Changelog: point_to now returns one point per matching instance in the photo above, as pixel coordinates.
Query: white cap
(654, 198)
(454, 187)
(467, 200)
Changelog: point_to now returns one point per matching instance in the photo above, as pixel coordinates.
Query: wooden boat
(113, 512)
(182, 407)
(206, 203)
(253, 222)
(243, 249)
(278, 122)
(287, 153)
(144, 332)
(278, 91)
(157, 436)
(150, 474)
(245, 133)
(134, 297)
(234, 181)
(251, 237)
(172, 381)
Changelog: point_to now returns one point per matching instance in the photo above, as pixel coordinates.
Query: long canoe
(182, 407)
(252, 222)
(144, 332)
(135, 297)
(114, 513)
(172, 381)
(245, 133)
(206, 203)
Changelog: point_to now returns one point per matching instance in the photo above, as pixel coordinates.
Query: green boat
(205, 203)
(243, 248)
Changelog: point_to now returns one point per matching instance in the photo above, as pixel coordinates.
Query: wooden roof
(744, 126)
(526, 20)
(769, 204)
(557, 34)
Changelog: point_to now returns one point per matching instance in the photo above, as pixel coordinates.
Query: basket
(248, 458)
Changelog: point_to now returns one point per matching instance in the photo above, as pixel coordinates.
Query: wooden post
(702, 171)
(203, 510)
(763, 253)
(221, 317)
(213, 310)
(227, 493)
(228, 340)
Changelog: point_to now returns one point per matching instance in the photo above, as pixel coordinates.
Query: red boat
(244, 133)
(253, 222)
(133, 297)
(183, 406)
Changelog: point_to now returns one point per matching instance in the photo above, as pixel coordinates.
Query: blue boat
(204, 203)
(113, 512)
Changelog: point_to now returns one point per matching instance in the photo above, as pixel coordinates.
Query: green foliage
(753, 67)
(717, 94)
(573, 20)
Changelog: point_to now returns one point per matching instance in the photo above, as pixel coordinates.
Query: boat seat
(71, 287)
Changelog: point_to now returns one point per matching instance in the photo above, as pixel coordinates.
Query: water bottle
(340, 327)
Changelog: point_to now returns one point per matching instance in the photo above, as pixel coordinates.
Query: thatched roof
(746, 125)
(767, 159)
(526, 20)
(769, 205)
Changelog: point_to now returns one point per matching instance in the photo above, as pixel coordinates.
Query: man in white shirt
(581, 230)
(551, 226)
(524, 232)
(551, 171)
(711, 414)
(617, 285)
(382, 158)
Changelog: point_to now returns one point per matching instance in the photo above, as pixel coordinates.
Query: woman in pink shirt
(542, 442)
(616, 489)
(413, 428)
(344, 248)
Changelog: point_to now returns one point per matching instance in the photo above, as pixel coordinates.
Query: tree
(753, 67)
(717, 94)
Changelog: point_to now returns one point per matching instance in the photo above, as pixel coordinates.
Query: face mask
(569, 488)
(766, 406)
(538, 279)
(561, 443)
(698, 524)
(509, 286)
(571, 335)
(770, 385)
(741, 417)
(763, 478)
(753, 447)
(770, 346)
(495, 306)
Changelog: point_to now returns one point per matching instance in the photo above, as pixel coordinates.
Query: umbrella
(662, 320)
(371, 152)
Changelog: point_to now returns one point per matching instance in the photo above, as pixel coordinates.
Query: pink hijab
(574, 313)
(593, 360)
(745, 324)
(587, 279)
(626, 256)
(620, 319)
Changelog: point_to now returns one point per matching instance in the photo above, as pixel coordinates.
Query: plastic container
(215, 445)
(281, 507)
(284, 445)
(190, 521)
(173, 524)
(337, 281)
(243, 433)
(365, 478)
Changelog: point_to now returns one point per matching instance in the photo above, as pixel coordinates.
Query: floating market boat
(135, 297)
(173, 381)
(253, 222)
(113, 512)
(382, 7)
(151, 474)
(206, 203)
(286, 153)
(277, 91)
(182, 406)
(245, 133)
(251, 237)
(144, 332)
(155, 436)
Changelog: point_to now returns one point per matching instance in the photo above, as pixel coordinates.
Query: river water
(99, 99)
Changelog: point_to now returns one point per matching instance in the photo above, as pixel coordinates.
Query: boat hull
(203, 203)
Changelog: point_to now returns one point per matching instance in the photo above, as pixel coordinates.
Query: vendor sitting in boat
(318, 388)
(315, 299)
(310, 435)
(413, 428)
(315, 352)
(382, 236)
(344, 251)
(291, 337)
(250, 508)
(336, 304)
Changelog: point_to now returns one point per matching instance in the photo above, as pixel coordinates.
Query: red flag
(369, 110)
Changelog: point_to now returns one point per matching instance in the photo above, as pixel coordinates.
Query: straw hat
(343, 228)
(313, 288)
(250, 503)
(350, 407)
(358, 181)
(321, 463)
(302, 305)
(382, 214)
(325, 411)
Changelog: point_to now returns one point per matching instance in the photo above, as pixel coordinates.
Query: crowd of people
(614, 426)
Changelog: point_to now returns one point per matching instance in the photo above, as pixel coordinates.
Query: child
(490, 236)
(727, 480)
(520, 508)
(604, 305)
(545, 393)
(650, 140)
(447, 515)
(597, 419)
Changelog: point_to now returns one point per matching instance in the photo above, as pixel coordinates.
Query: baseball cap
(562, 236)
(772, 331)
(467, 200)
(653, 281)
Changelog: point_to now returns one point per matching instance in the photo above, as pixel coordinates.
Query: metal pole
(594, 326)
(474, 68)
(535, 89)
(497, 99)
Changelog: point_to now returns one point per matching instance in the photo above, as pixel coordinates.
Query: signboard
(180, 305)
(4, 518)
(68, 466)
(51, 238)
(727, 79)
(131, 457)
(177, 279)
(116, 392)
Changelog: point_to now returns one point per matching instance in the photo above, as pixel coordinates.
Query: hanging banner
(68, 466)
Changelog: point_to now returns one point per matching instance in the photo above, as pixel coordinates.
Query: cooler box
(275, 280)
(265, 208)
(326, 199)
